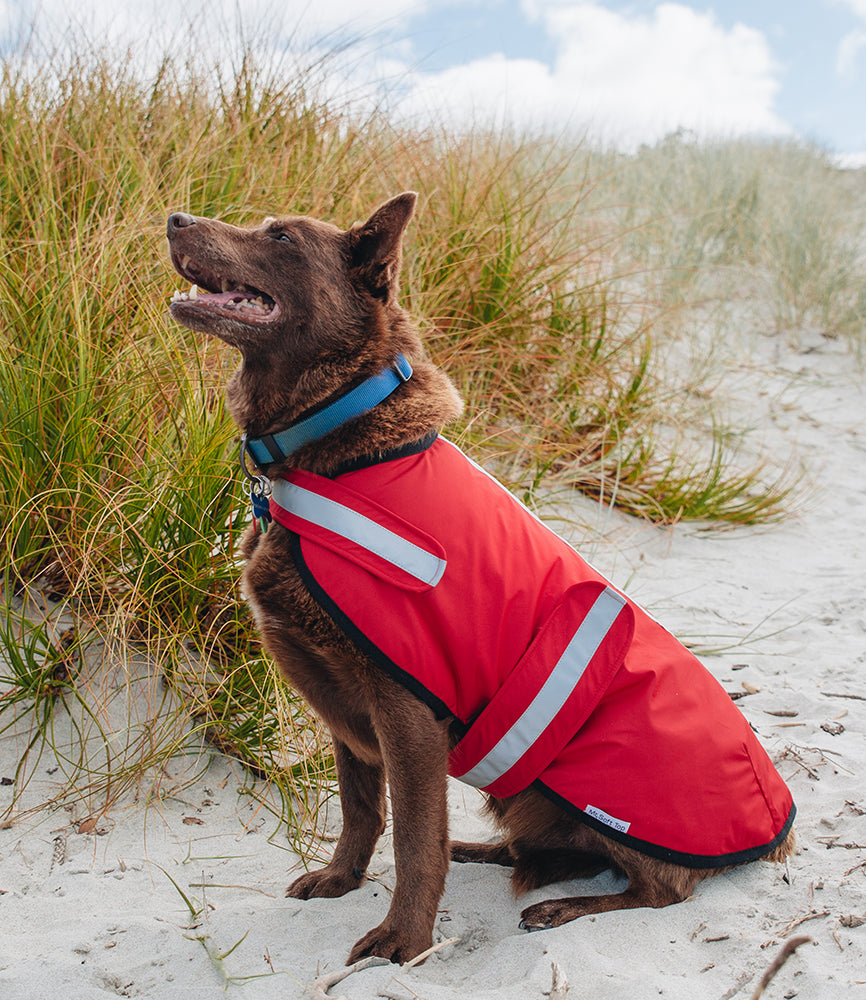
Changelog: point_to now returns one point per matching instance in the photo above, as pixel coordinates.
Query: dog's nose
(179, 220)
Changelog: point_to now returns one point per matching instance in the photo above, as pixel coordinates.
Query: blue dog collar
(360, 400)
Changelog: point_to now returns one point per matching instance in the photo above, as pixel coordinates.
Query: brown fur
(336, 321)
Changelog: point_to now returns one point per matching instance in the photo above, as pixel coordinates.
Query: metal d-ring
(259, 486)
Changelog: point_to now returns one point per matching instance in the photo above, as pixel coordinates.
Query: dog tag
(259, 490)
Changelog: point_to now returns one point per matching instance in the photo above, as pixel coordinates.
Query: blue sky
(626, 72)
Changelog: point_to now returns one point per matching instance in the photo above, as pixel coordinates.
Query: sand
(101, 912)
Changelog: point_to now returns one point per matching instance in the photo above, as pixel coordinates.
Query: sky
(624, 73)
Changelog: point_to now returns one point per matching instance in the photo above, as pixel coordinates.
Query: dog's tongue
(223, 298)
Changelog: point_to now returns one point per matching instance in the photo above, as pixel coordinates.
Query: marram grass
(125, 641)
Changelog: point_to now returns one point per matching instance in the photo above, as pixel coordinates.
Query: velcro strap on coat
(359, 529)
(550, 693)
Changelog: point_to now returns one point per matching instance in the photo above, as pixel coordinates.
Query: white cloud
(630, 78)
(493, 90)
(857, 6)
(130, 21)
(348, 47)
(850, 161)
(848, 54)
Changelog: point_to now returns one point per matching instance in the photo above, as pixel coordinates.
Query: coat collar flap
(327, 513)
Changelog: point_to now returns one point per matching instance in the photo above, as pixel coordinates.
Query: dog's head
(312, 309)
(293, 282)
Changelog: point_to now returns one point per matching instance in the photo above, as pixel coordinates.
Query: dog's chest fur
(313, 654)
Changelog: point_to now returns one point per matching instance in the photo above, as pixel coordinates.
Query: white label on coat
(611, 821)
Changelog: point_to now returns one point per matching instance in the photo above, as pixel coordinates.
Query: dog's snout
(179, 220)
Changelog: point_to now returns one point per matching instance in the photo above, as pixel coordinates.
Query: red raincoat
(549, 674)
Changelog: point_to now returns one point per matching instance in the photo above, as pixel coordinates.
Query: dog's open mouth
(212, 293)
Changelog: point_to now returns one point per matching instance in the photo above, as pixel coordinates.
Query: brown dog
(313, 311)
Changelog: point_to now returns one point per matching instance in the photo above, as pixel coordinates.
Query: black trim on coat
(365, 461)
(364, 644)
(666, 853)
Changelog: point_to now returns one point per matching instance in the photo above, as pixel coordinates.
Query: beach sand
(92, 912)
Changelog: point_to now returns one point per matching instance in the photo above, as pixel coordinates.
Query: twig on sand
(319, 989)
(59, 854)
(812, 915)
(788, 949)
(745, 978)
(418, 959)
(560, 984)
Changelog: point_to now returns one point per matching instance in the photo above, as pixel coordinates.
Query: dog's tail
(783, 850)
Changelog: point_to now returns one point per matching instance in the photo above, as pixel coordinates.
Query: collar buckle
(402, 367)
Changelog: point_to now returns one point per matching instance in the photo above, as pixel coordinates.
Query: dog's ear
(377, 245)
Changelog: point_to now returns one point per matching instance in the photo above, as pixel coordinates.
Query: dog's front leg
(362, 800)
(415, 751)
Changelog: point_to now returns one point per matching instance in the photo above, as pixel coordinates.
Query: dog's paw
(324, 883)
(550, 913)
(395, 944)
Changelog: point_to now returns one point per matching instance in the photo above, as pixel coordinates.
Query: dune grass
(772, 228)
(545, 279)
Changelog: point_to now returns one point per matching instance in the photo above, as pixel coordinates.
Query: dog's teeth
(185, 262)
(258, 304)
(225, 286)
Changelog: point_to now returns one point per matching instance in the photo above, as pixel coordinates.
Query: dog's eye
(284, 237)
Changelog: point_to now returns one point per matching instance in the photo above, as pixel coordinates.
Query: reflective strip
(553, 694)
(393, 548)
